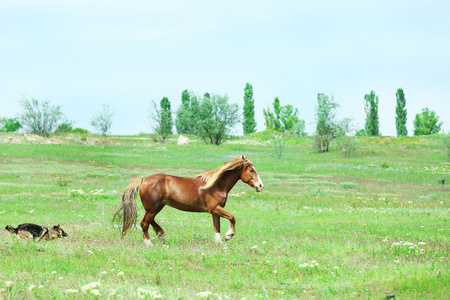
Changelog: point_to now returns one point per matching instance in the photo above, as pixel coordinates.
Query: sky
(82, 54)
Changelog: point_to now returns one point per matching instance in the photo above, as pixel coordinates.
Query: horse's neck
(228, 181)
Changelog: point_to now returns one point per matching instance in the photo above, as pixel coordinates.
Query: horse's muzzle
(259, 188)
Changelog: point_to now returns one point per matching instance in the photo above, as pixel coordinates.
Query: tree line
(212, 117)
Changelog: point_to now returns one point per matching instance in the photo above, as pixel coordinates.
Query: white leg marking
(217, 238)
(148, 242)
(228, 235)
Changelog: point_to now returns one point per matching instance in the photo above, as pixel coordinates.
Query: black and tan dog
(33, 231)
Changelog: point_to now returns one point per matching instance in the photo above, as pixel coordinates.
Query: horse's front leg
(220, 212)
(216, 221)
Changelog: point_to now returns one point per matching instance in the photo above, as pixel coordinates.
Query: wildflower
(275, 272)
(70, 291)
(253, 247)
(104, 272)
(336, 267)
(152, 294)
(95, 292)
(90, 286)
(53, 272)
(422, 251)
(31, 287)
(9, 283)
(31, 211)
(120, 273)
(422, 243)
(204, 294)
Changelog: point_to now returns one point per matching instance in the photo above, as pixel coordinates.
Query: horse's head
(250, 177)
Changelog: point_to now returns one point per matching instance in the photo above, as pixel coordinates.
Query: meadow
(372, 225)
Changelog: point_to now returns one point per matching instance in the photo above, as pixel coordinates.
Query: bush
(347, 185)
(348, 144)
(9, 125)
(446, 144)
(103, 121)
(65, 127)
(278, 145)
(40, 117)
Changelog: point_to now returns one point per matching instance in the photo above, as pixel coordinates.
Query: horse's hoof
(148, 243)
(228, 237)
(217, 238)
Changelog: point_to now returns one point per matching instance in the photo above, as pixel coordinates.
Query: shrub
(103, 121)
(348, 144)
(347, 185)
(9, 125)
(40, 117)
(279, 145)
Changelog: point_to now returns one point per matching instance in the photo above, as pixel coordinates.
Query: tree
(39, 116)
(249, 124)
(371, 107)
(400, 114)
(9, 125)
(289, 117)
(328, 127)
(103, 121)
(215, 118)
(163, 119)
(282, 119)
(182, 119)
(426, 123)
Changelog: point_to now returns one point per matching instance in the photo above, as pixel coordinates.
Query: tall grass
(326, 226)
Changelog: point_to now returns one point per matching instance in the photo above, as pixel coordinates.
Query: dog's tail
(11, 229)
(127, 210)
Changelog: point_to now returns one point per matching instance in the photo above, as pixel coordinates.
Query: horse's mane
(211, 177)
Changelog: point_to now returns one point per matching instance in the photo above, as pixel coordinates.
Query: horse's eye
(251, 170)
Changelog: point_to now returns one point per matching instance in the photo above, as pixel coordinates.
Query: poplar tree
(163, 119)
(371, 107)
(400, 114)
(249, 124)
(182, 119)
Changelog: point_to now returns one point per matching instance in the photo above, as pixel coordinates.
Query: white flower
(120, 273)
(9, 283)
(95, 292)
(104, 272)
(71, 291)
(90, 286)
(275, 272)
(336, 267)
(254, 247)
(152, 294)
(422, 243)
(53, 272)
(204, 294)
(31, 287)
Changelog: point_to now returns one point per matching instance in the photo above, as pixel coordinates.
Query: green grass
(326, 226)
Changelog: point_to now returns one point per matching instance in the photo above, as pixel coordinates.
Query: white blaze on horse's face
(254, 180)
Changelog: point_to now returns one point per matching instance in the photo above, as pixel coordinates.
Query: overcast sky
(81, 54)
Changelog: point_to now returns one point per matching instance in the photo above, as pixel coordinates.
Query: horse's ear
(244, 157)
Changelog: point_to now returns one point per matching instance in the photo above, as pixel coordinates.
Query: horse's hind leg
(149, 218)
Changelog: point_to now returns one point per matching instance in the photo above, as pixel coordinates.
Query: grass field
(326, 226)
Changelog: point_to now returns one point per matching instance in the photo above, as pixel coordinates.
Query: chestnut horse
(207, 192)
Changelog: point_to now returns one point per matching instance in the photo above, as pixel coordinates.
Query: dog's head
(58, 232)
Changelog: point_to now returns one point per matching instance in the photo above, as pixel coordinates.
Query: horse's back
(179, 192)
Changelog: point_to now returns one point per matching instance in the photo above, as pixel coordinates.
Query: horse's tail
(127, 210)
